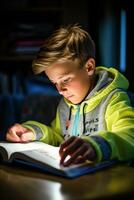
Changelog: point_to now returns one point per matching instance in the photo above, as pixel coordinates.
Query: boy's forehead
(64, 68)
(60, 70)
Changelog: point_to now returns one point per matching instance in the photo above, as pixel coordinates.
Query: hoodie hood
(108, 79)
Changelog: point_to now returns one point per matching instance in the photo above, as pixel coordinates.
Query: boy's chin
(75, 101)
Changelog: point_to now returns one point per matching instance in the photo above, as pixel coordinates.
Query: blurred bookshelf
(25, 24)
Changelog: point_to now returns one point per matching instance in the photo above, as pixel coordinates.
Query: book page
(19, 147)
(45, 156)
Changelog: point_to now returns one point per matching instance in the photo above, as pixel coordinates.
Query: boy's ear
(90, 66)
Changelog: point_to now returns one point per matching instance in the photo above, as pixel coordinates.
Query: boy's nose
(61, 89)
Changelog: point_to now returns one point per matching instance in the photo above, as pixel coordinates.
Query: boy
(94, 120)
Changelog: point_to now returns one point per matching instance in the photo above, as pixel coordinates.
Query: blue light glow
(123, 42)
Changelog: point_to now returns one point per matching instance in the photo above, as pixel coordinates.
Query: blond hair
(70, 43)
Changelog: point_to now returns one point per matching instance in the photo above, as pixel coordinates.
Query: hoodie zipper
(76, 120)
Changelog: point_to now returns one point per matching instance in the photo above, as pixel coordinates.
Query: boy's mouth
(69, 97)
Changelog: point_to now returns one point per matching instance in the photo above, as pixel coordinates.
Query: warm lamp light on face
(71, 81)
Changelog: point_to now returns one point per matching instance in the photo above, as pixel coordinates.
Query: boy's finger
(65, 144)
(12, 136)
(90, 154)
(68, 152)
(63, 155)
(79, 160)
(76, 152)
(18, 128)
(27, 137)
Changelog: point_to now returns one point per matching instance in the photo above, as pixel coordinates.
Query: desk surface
(17, 183)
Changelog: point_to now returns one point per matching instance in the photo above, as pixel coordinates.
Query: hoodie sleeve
(47, 134)
(117, 142)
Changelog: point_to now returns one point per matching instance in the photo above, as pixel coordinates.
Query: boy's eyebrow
(61, 76)
(65, 73)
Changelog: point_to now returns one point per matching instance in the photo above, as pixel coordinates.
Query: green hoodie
(105, 119)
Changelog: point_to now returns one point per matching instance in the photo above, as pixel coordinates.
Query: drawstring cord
(70, 114)
(84, 117)
(69, 117)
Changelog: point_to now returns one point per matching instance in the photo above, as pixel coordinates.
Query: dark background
(25, 24)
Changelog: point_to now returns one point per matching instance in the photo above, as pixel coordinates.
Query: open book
(46, 158)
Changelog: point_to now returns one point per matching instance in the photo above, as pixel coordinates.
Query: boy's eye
(66, 80)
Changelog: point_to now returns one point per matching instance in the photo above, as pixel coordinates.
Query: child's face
(72, 82)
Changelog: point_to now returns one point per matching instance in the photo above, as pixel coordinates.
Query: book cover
(46, 158)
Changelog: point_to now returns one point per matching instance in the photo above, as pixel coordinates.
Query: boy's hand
(18, 133)
(78, 151)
